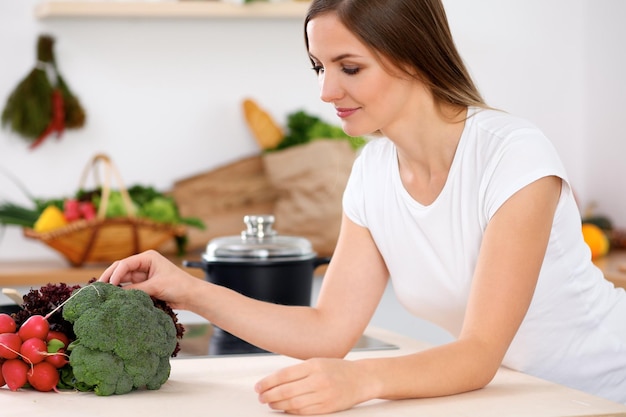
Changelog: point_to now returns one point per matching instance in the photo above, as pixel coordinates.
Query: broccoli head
(123, 342)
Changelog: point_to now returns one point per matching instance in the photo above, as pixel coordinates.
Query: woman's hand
(316, 386)
(153, 273)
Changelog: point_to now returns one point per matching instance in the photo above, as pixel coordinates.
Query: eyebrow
(337, 58)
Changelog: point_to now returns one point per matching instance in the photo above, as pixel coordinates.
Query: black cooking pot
(260, 264)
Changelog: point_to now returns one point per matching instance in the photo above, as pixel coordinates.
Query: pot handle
(193, 264)
(321, 261)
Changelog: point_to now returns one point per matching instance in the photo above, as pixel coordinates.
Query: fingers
(135, 268)
(106, 275)
(293, 396)
(315, 386)
(283, 376)
(299, 389)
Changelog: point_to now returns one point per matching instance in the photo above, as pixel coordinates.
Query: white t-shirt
(574, 332)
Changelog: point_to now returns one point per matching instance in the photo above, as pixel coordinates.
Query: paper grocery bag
(310, 180)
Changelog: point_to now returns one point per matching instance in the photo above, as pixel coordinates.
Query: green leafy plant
(303, 128)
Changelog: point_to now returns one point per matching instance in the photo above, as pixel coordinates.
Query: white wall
(163, 95)
(605, 98)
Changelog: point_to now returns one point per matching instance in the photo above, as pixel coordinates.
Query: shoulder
(493, 133)
(373, 166)
(376, 152)
(500, 125)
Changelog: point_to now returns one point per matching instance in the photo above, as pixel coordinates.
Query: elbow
(483, 372)
(327, 351)
(482, 379)
(334, 347)
(342, 346)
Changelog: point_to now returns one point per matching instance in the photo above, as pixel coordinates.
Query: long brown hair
(414, 36)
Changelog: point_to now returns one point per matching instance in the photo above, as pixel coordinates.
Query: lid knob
(258, 226)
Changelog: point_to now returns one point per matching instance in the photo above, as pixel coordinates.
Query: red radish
(14, 373)
(34, 350)
(71, 211)
(43, 377)
(10, 344)
(2, 381)
(53, 334)
(36, 326)
(58, 359)
(7, 324)
(87, 210)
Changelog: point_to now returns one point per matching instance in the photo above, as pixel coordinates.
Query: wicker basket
(102, 240)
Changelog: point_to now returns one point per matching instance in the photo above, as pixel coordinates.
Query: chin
(354, 131)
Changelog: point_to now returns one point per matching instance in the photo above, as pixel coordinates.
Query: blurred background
(163, 95)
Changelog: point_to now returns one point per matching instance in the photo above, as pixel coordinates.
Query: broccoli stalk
(123, 342)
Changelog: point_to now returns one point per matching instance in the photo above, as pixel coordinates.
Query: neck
(426, 151)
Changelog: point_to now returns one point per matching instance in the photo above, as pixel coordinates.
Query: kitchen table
(223, 387)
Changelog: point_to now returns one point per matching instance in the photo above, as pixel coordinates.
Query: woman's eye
(351, 70)
(318, 69)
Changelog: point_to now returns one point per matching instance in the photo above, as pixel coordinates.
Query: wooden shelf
(171, 9)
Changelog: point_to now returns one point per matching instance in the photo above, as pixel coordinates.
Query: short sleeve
(525, 158)
(353, 197)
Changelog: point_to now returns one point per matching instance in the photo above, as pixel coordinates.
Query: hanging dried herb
(42, 103)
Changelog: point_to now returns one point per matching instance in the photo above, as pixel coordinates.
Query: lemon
(596, 239)
(51, 218)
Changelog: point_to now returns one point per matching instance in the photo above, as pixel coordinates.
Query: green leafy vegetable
(115, 207)
(304, 128)
(123, 342)
(14, 215)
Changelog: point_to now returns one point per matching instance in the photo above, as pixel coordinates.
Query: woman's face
(366, 96)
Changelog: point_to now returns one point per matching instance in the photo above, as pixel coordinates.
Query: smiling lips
(345, 112)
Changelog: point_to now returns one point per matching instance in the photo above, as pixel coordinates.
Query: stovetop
(205, 340)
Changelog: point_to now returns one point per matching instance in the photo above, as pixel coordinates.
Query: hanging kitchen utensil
(42, 103)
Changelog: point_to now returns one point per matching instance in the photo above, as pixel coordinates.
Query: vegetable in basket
(48, 215)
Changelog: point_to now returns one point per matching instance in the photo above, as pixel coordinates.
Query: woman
(468, 210)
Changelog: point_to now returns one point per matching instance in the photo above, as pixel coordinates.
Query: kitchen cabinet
(171, 9)
(223, 386)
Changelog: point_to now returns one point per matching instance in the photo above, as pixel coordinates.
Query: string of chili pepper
(57, 123)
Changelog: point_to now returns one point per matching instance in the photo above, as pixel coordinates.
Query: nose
(330, 90)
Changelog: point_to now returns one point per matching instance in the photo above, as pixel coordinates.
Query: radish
(7, 324)
(34, 350)
(58, 359)
(70, 209)
(14, 373)
(87, 210)
(10, 344)
(36, 326)
(53, 334)
(2, 381)
(43, 377)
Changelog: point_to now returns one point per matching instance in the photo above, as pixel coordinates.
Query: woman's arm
(351, 290)
(510, 259)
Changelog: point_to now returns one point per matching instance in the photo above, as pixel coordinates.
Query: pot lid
(258, 242)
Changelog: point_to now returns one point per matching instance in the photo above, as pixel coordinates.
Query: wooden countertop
(39, 273)
(223, 386)
(42, 272)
